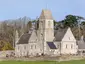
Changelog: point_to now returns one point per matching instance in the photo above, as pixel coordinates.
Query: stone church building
(46, 40)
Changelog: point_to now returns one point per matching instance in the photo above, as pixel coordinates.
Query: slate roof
(81, 45)
(46, 14)
(51, 45)
(59, 34)
(24, 38)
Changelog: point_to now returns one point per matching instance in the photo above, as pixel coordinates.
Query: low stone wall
(6, 53)
(43, 58)
(40, 58)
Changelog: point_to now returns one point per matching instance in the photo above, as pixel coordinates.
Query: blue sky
(13, 9)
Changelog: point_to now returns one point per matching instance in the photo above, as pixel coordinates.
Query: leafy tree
(55, 22)
(4, 45)
(29, 25)
(71, 21)
(37, 24)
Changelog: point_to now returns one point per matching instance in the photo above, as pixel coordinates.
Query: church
(46, 40)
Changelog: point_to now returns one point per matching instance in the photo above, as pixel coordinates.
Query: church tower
(46, 29)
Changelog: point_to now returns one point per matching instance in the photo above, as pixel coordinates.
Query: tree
(55, 22)
(71, 21)
(29, 25)
(4, 45)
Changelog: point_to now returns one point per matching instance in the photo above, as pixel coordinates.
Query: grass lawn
(43, 62)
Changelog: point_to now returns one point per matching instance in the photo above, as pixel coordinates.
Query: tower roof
(46, 14)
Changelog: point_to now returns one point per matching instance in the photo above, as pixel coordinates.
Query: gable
(68, 36)
(33, 37)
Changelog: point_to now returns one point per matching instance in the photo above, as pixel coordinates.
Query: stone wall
(6, 53)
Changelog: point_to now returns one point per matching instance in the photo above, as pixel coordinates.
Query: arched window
(71, 46)
(31, 46)
(24, 47)
(35, 46)
(66, 45)
(69, 38)
(49, 23)
(41, 23)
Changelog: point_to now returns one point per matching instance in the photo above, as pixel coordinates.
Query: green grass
(43, 62)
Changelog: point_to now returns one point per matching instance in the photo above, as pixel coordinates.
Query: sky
(13, 9)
